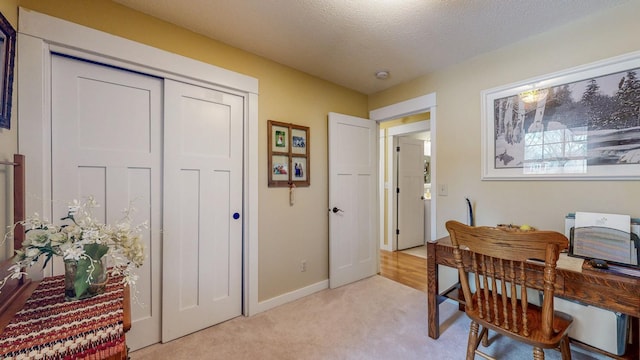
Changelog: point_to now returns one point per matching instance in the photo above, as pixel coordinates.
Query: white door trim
(409, 128)
(404, 108)
(382, 186)
(40, 35)
(425, 103)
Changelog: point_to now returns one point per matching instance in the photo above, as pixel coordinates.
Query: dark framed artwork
(288, 155)
(7, 56)
(578, 124)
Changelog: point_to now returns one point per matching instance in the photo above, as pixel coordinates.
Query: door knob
(335, 210)
(236, 216)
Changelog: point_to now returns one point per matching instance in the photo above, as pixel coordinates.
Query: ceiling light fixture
(533, 96)
(382, 74)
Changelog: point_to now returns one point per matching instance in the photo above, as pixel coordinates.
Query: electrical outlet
(303, 265)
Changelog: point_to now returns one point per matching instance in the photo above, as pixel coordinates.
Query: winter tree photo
(566, 128)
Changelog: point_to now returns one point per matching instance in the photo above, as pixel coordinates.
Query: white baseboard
(291, 296)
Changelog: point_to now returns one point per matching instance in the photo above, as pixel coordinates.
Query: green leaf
(94, 253)
(81, 284)
(46, 261)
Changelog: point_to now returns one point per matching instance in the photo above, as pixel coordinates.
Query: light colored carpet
(375, 318)
(419, 251)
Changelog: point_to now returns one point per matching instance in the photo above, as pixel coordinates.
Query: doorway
(408, 219)
(423, 130)
(422, 104)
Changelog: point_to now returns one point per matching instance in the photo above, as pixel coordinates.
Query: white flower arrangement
(85, 241)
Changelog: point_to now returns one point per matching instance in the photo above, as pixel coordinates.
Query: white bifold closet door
(173, 151)
(202, 274)
(106, 142)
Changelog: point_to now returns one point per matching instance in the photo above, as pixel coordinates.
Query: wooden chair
(498, 258)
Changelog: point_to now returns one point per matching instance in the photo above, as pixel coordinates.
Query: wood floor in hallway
(404, 268)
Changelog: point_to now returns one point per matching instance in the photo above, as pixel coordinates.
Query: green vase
(81, 280)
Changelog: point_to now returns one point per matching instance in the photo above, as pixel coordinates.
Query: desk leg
(635, 331)
(433, 312)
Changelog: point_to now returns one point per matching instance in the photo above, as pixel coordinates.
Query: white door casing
(106, 136)
(425, 103)
(353, 202)
(203, 208)
(410, 172)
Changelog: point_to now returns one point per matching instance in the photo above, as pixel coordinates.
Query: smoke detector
(382, 74)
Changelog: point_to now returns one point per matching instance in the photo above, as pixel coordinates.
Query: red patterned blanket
(49, 327)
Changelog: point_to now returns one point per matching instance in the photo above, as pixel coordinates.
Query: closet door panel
(106, 143)
(203, 208)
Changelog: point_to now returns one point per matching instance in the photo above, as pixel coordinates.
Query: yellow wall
(8, 146)
(539, 203)
(287, 234)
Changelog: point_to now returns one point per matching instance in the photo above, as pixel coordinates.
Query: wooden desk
(591, 286)
(44, 324)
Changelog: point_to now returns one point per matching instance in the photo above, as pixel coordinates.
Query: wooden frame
(577, 124)
(288, 155)
(8, 52)
(14, 288)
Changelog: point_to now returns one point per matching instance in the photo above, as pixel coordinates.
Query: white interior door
(202, 207)
(410, 170)
(106, 132)
(353, 199)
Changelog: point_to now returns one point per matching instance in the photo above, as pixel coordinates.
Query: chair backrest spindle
(494, 290)
(524, 301)
(485, 287)
(505, 311)
(514, 300)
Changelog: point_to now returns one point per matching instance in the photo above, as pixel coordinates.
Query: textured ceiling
(348, 41)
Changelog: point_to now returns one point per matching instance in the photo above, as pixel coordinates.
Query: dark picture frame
(582, 123)
(7, 53)
(288, 155)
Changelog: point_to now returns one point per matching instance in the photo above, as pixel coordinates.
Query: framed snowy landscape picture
(581, 123)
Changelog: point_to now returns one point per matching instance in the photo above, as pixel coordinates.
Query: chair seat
(561, 322)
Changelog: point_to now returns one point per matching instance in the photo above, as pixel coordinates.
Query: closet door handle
(336, 210)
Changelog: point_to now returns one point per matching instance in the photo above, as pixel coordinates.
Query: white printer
(612, 332)
(611, 237)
